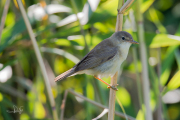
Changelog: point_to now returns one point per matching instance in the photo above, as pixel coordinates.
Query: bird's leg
(109, 86)
(113, 86)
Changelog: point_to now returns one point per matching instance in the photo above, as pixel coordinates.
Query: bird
(104, 59)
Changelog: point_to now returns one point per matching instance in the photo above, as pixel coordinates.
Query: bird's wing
(103, 52)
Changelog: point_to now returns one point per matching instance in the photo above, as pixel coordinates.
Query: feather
(64, 75)
(97, 56)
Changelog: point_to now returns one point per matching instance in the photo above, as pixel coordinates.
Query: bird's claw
(113, 87)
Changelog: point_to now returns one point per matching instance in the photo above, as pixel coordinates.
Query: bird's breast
(123, 50)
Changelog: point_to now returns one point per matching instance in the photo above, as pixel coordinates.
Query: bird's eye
(123, 38)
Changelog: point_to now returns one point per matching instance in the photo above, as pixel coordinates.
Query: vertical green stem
(138, 80)
(143, 55)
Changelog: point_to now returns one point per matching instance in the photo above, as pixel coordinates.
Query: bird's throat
(124, 49)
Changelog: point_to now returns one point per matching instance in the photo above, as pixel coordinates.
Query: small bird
(104, 59)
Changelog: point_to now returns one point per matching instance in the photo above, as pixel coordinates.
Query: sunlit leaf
(140, 115)
(24, 116)
(1, 97)
(156, 16)
(10, 19)
(174, 82)
(161, 40)
(90, 95)
(100, 26)
(54, 92)
(153, 100)
(131, 67)
(145, 5)
(39, 111)
(123, 96)
(65, 42)
(110, 5)
(167, 63)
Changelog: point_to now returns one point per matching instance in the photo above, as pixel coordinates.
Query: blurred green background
(63, 41)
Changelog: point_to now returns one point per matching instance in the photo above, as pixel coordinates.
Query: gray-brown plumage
(105, 58)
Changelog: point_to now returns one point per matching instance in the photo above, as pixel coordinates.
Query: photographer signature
(16, 110)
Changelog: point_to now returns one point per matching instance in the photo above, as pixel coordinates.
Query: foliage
(62, 39)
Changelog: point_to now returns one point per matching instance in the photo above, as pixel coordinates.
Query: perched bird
(104, 59)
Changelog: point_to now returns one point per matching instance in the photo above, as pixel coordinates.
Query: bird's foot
(113, 87)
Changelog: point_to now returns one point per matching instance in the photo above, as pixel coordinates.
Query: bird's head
(123, 36)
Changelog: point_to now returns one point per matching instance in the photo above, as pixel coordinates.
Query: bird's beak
(133, 42)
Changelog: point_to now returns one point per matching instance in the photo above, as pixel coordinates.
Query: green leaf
(167, 63)
(161, 40)
(9, 34)
(123, 95)
(177, 57)
(4, 112)
(145, 5)
(65, 42)
(90, 95)
(140, 115)
(174, 82)
(10, 62)
(39, 110)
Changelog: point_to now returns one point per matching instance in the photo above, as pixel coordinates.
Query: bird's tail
(64, 75)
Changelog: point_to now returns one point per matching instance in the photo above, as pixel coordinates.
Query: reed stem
(39, 58)
(119, 23)
(143, 56)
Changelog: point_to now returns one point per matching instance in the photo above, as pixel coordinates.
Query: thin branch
(119, 22)
(125, 6)
(6, 7)
(101, 115)
(98, 104)
(40, 60)
(63, 105)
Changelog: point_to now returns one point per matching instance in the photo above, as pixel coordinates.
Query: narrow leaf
(174, 82)
(145, 5)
